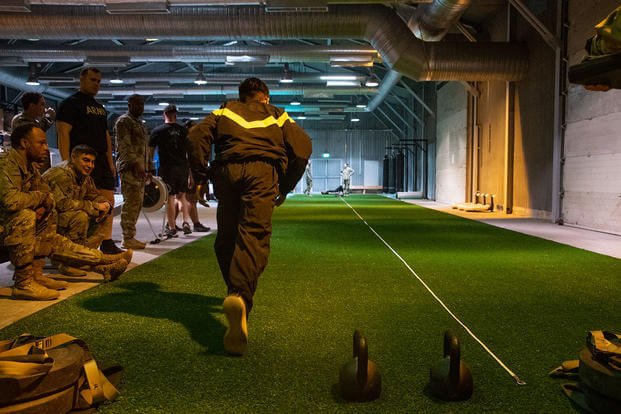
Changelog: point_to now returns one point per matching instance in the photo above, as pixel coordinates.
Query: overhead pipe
(177, 3)
(158, 53)
(431, 22)
(17, 82)
(162, 89)
(377, 24)
(188, 77)
(390, 80)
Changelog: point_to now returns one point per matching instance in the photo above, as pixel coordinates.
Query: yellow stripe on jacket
(263, 123)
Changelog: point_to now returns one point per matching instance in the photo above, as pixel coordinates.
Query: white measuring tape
(485, 347)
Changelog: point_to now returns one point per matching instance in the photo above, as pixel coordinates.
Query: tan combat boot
(112, 271)
(43, 280)
(113, 258)
(132, 243)
(236, 335)
(26, 288)
(71, 271)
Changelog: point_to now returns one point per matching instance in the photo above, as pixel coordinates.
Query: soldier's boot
(65, 269)
(26, 288)
(71, 271)
(236, 335)
(43, 280)
(132, 243)
(113, 258)
(112, 271)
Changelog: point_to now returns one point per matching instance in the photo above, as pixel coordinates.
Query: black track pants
(246, 193)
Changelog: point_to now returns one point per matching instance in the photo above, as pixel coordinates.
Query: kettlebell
(359, 378)
(451, 378)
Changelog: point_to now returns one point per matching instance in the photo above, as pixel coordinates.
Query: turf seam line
(463, 325)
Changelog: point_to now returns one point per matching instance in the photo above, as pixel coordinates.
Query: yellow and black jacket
(250, 131)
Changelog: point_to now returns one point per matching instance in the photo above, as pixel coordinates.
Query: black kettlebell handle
(451, 349)
(361, 351)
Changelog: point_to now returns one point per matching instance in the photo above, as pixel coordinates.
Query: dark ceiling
(164, 68)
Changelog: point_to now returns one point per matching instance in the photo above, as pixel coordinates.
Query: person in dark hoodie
(260, 155)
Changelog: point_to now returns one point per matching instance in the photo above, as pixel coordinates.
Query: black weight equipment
(451, 378)
(360, 379)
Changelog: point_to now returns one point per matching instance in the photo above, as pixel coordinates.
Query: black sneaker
(108, 247)
(170, 232)
(186, 228)
(199, 228)
(178, 228)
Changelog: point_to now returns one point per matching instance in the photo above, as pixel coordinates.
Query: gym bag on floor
(54, 374)
(598, 374)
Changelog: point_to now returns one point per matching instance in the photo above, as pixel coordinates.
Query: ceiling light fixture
(341, 83)
(116, 79)
(337, 78)
(32, 81)
(286, 75)
(371, 81)
(33, 77)
(200, 78)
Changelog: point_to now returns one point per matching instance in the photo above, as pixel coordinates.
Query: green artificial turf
(530, 300)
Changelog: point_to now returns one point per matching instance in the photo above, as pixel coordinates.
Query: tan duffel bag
(55, 374)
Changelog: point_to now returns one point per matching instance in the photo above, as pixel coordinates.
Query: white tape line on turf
(485, 347)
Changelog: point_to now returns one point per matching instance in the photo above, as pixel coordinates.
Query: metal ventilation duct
(379, 25)
(156, 53)
(17, 82)
(430, 22)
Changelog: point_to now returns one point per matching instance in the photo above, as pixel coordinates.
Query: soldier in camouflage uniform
(28, 222)
(134, 165)
(80, 207)
(35, 112)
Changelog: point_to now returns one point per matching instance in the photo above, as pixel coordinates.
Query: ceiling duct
(17, 82)
(22, 6)
(280, 6)
(390, 81)
(137, 7)
(42, 52)
(377, 24)
(430, 22)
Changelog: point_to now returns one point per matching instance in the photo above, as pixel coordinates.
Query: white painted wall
(451, 143)
(592, 171)
(592, 174)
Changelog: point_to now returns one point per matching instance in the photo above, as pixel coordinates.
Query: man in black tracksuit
(261, 154)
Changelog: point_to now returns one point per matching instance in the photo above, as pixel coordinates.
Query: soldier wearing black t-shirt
(171, 141)
(83, 120)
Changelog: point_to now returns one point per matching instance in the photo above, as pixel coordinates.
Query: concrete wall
(592, 171)
(515, 163)
(534, 121)
(451, 142)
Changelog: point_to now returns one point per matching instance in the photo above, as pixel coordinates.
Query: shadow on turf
(193, 311)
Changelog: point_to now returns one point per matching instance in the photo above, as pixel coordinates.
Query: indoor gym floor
(529, 300)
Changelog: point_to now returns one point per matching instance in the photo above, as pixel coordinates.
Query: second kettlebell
(359, 379)
(451, 378)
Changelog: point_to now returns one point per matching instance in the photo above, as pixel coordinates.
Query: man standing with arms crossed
(134, 166)
(260, 156)
(83, 120)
